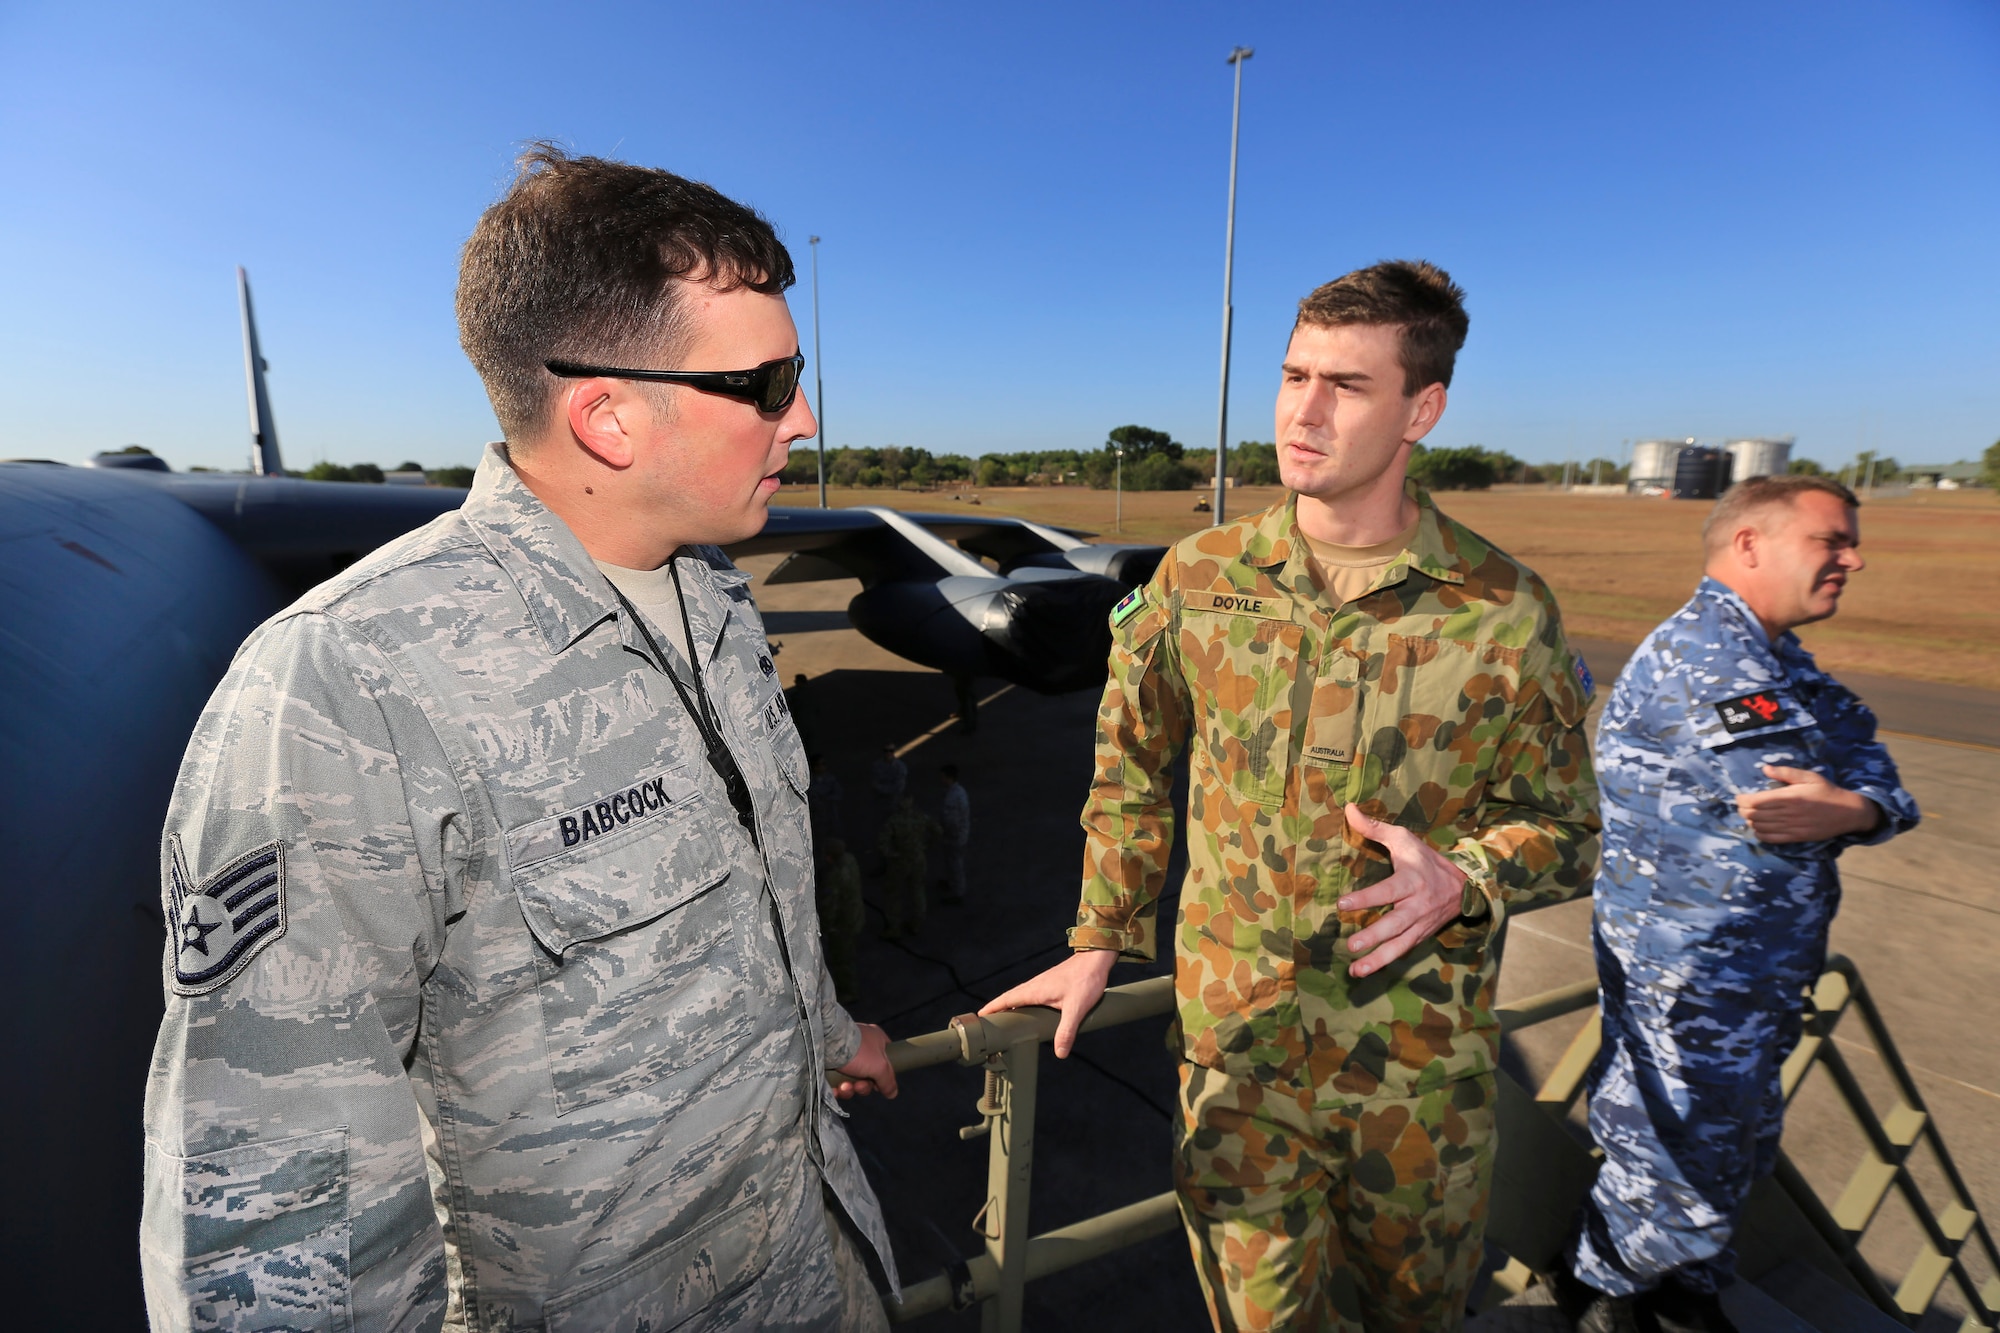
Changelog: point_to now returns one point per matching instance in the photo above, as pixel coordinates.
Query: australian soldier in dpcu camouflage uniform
(495, 998)
(1379, 766)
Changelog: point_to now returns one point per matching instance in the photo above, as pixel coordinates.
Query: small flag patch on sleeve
(1127, 608)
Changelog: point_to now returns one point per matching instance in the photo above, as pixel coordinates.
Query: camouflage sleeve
(843, 1033)
(1862, 764)
(1537, 837)
(313, 852)
(1128, 818)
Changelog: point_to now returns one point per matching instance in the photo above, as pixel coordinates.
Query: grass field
(1926, 608)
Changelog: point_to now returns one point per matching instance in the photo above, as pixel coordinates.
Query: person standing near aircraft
(494, 990)
(1735, 772)
(904, 845)
(955, 816)
(1383, 764)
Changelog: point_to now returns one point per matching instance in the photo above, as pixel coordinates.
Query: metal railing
(1892, 1142)
(1528, 1222)
(1009, 1046)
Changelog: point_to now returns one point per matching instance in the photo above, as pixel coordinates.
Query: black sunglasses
(770, 386)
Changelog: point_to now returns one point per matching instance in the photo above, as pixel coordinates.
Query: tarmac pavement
(1919, 920)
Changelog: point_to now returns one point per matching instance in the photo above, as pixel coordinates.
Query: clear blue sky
(1698, 219)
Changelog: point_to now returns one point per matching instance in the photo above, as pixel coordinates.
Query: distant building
(1944, 476)
(405, 479)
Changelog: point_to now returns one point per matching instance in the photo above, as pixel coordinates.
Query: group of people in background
(903, 836)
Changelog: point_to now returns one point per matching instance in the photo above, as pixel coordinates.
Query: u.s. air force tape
(1239, 604)
(227, 919)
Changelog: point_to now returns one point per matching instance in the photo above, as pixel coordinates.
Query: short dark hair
(1418, 297)
(580, 260)
(1754, 493)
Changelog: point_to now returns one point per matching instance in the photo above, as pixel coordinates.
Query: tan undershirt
(1346, 571)
(653, 592)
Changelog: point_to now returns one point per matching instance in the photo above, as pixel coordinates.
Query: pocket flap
(674, 1283)
(615, 863)
(264, 1233)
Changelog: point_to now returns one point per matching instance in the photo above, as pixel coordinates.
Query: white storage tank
(1759, 458)
(1653, 463)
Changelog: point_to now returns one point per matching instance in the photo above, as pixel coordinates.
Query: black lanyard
(705, 721)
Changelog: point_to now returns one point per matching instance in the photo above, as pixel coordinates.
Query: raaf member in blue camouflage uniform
(495, 998)
(1733, 772)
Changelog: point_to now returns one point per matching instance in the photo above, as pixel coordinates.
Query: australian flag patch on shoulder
(220, 924)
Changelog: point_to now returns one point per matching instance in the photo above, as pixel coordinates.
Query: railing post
(1010, 1165)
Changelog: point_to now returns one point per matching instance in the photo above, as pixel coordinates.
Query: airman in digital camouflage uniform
(494, 991)
(1384, 722)
(1734, 773)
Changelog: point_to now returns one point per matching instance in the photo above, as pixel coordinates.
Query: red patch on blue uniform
(1750, 711)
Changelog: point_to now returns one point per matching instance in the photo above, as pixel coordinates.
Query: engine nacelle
(1128, 565)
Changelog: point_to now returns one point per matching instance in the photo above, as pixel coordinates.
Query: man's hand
(870, 1069)
(1073, 986)
(1427, 889)
(1805, 807)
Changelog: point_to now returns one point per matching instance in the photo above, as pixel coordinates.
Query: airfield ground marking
(946, 725)
(1938, 740)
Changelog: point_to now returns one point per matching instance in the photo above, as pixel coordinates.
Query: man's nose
(798, 423)
(1311, 406)
(1851, 560)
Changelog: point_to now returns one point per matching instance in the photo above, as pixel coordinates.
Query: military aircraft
(126, 588)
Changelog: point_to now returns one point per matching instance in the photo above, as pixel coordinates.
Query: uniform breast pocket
(1333, 728)
(640, 971)
(1243, 671)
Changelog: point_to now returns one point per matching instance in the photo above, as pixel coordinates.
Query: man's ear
(1429, 407)
(1745, 542)
(607, 417)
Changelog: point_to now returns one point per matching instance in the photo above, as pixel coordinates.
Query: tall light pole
(819, 383)
(1118, 489)
(1236, 57)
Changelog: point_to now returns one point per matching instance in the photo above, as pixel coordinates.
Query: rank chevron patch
(222, 923)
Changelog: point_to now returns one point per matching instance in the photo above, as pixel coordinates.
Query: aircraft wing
(877, 545)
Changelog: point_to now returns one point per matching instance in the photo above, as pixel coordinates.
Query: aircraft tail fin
(263, 428)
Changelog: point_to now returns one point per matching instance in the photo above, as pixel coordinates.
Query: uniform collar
(567, 595)
(1728, 602)
(1274, 544)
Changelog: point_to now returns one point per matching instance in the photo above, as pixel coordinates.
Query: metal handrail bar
(1008, 1045)
(1547, 1005)
(1927, 1272)
(1051, 1252)
(1890, 1056)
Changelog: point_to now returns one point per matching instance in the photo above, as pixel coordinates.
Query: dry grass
(1926, 608)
